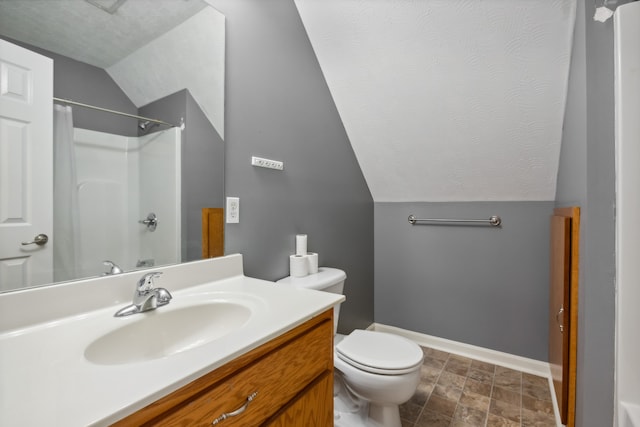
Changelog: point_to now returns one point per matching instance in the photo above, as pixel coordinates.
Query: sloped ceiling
(79, 30)
(189, 56)
(448, 100)
(151, 48)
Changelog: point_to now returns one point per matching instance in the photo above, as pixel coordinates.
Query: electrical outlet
(267, 163)
(233, 210)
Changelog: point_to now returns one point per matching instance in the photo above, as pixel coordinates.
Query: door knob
(40, 240)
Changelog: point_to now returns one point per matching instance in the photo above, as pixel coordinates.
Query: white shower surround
(120, 180)
(627, 104)
(448, 100)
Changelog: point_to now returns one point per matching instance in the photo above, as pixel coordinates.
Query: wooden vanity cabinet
(292, 376)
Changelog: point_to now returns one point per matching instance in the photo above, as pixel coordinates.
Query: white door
(627, 115)
(26, 167)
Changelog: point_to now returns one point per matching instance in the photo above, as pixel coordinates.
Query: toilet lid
(380, 352)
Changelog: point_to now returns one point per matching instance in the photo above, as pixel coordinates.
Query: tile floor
(460, 392)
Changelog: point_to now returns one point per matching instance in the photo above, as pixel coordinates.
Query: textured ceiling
(151, 48)
(448, 100)
(189, 56)
(76, 29)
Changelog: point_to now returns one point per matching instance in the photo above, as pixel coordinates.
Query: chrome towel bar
(494, 220)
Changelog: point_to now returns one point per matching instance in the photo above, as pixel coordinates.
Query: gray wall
(202, 164)
(596, 336)
(85, 83)
(481, 285)
(279, 106)
(203, 168)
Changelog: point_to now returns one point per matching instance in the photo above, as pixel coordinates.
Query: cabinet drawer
(276, 378)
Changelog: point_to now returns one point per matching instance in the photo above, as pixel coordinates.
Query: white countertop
(46, 379)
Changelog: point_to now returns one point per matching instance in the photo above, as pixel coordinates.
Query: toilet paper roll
(301, 244)
(313, 262)
(298, 265)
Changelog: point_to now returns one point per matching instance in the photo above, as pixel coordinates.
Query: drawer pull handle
(237, 411)
(560, 325)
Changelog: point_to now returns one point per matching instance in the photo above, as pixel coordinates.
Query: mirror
(140, 186)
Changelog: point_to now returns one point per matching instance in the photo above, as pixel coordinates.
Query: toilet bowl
(375, 372)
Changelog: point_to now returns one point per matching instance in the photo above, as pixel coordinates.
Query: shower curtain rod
(106, 110)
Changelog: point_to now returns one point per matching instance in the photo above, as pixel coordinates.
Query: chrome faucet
(146, 296)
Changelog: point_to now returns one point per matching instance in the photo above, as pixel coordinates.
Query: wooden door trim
(572, 212)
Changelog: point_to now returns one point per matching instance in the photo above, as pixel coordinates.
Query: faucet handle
(113, 268)
(145, 283)
(164, 296)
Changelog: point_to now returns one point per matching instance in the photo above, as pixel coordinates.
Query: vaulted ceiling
(79, 30)
(448, 100)
(151, 48)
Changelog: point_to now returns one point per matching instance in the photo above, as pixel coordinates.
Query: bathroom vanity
(225, 344)
(288, 379)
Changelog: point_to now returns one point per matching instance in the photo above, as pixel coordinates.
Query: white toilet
(375, 372)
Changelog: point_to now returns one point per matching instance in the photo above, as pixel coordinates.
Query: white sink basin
(216, 315)
(166, 331)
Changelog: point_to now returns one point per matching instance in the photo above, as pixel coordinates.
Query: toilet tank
(326, 279)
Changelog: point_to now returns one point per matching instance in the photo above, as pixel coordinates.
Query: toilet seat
(379, 352)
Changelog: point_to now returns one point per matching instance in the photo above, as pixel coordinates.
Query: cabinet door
(312, 408)
(563, 308)
(559, 309)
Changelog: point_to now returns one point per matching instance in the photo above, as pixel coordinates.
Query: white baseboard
(512, 361)
(531, 366)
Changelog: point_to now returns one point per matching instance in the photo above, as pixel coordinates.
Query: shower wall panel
(106, 189)
(120, 181)
(159, 192)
